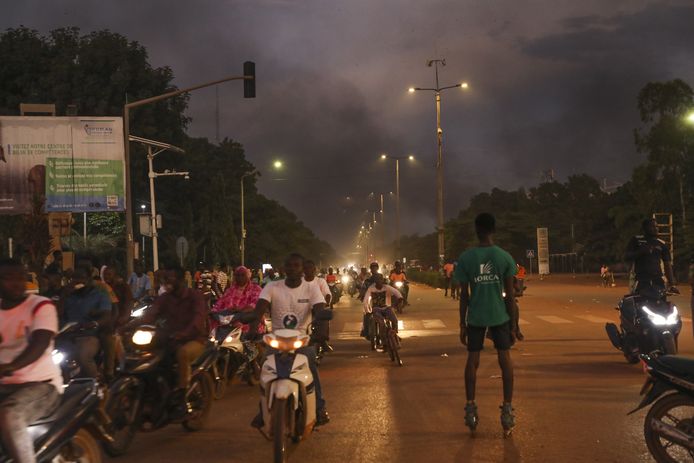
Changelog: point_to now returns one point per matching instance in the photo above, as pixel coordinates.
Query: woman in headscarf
(241, 296)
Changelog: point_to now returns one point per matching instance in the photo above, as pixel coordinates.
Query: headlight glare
(142, 337)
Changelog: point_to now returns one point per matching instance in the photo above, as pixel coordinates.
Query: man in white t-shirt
(380, 299)
(30, 383)
(322, 331)
(291, 303)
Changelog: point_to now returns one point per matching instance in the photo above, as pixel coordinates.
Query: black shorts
(501, 335)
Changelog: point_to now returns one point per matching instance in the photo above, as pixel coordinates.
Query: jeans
(185, 356)
(380, 313)
(87, 348)
(310, 353)
(20, 405)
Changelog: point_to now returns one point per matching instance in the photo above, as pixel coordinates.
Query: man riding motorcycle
(30, 383)
(646, 252)
(379, 300)
(398, 275)
(184, 311)
(370, 280)
(292, 303)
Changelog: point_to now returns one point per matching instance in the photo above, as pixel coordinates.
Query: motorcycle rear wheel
(84, 445)
(280, 421)
(662, 449)
(203, 397)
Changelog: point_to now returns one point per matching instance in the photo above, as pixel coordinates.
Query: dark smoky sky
(553, 84)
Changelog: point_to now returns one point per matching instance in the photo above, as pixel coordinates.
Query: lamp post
(397, 196)
(277, 164)
(151, 153)
(439, 157)
(142, 254)
(249, 84)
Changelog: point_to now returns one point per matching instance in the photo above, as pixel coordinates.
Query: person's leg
(20, 405)
(506, 373)
(87, 348)
(185, 356)
(473, 363)
(108, 344)
(446, 285)
(390, 313)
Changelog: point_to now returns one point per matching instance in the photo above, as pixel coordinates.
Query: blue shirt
(139, 285)
(87, 305)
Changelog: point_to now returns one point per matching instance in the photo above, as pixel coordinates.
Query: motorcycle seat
(678, 364)
(74, 393)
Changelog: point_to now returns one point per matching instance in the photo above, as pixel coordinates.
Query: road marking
(594, 319)
(523, 322)
(429, 324)
(554, 320)
(686, 320)
(352, 326)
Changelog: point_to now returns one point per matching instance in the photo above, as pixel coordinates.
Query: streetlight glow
(464, 85)
(690, 117)
(410, 157)
(277, 164)
(383, 156)
(411, 89)
(143, 207)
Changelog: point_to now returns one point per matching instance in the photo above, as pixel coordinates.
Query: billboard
(76, 163)
(542, 251)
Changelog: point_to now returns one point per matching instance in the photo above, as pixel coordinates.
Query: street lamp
(160, 147)
(397, 196)
(277, 164)
(690, 117)
(439, 141)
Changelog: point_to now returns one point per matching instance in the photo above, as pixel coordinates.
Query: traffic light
(249, 84)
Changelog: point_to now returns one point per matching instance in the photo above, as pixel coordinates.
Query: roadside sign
(542, 251)
(530, 253)
(182, 248)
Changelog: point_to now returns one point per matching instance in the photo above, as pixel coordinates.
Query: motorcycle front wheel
(200, 396)
(125, 413)
(220, 370)
(669, 344)
(83, 448)
(280, 431)
(671, 414)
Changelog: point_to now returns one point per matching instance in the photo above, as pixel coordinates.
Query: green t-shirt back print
(484, 269)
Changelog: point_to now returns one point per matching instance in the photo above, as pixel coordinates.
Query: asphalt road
(573, 392)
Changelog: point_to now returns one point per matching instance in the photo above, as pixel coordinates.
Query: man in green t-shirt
(486, 276)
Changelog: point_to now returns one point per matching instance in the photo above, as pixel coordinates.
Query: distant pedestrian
(448, 269)
(486, 272)
(139, 282)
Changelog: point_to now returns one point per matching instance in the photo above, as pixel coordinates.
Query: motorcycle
(349, 283)
(287, 395)
(72, 431)
(141, 306)
(238, 355)
(143, 398)
(335, 292)
(648, 322)
(669, 424)
(404, 288)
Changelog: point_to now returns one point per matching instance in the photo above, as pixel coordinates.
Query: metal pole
(397, 207)
(130, 245)
(155, 240)
(10, 247)
(142, 256)
(243, 225)
(383, 224)
(84, 229)
(439, 176)
(129, 242)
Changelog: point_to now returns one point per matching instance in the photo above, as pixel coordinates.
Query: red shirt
(185, 315)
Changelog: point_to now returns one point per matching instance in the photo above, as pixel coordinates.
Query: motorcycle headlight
(138, 312)
(345, 280)
(57, 356)
(660, 320)
(398, 284)
(142, 337)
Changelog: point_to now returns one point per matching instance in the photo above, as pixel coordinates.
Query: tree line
(95, 74)
(583, 218)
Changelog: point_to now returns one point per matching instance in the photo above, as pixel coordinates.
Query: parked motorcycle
(143, 397)
(238, 354)
(287, 395)
(648, 322)
(73, 431)
(669, 424)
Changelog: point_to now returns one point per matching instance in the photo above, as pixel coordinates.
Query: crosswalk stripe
(429, 324)
(594, 319)
(554, 320)
(523, 322)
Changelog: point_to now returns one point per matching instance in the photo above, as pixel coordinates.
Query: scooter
(669, 424)
(287, 395)
(648, 322)
(72, 432)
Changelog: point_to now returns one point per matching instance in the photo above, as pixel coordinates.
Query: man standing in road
(646, 252)
(448, 269)
(292, 303)
(485, 273)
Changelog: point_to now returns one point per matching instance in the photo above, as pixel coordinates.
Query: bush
(431, 278)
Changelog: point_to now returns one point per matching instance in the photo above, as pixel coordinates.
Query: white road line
(352, 326)
(523, 322)
(686, 320)
(554, 320)
(594, 319)
(430, 324)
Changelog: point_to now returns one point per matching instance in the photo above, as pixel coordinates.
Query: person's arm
(634, 250)
(395, 296)
(464, 304)
(149, 290)
(264, 304)
(102, 314)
